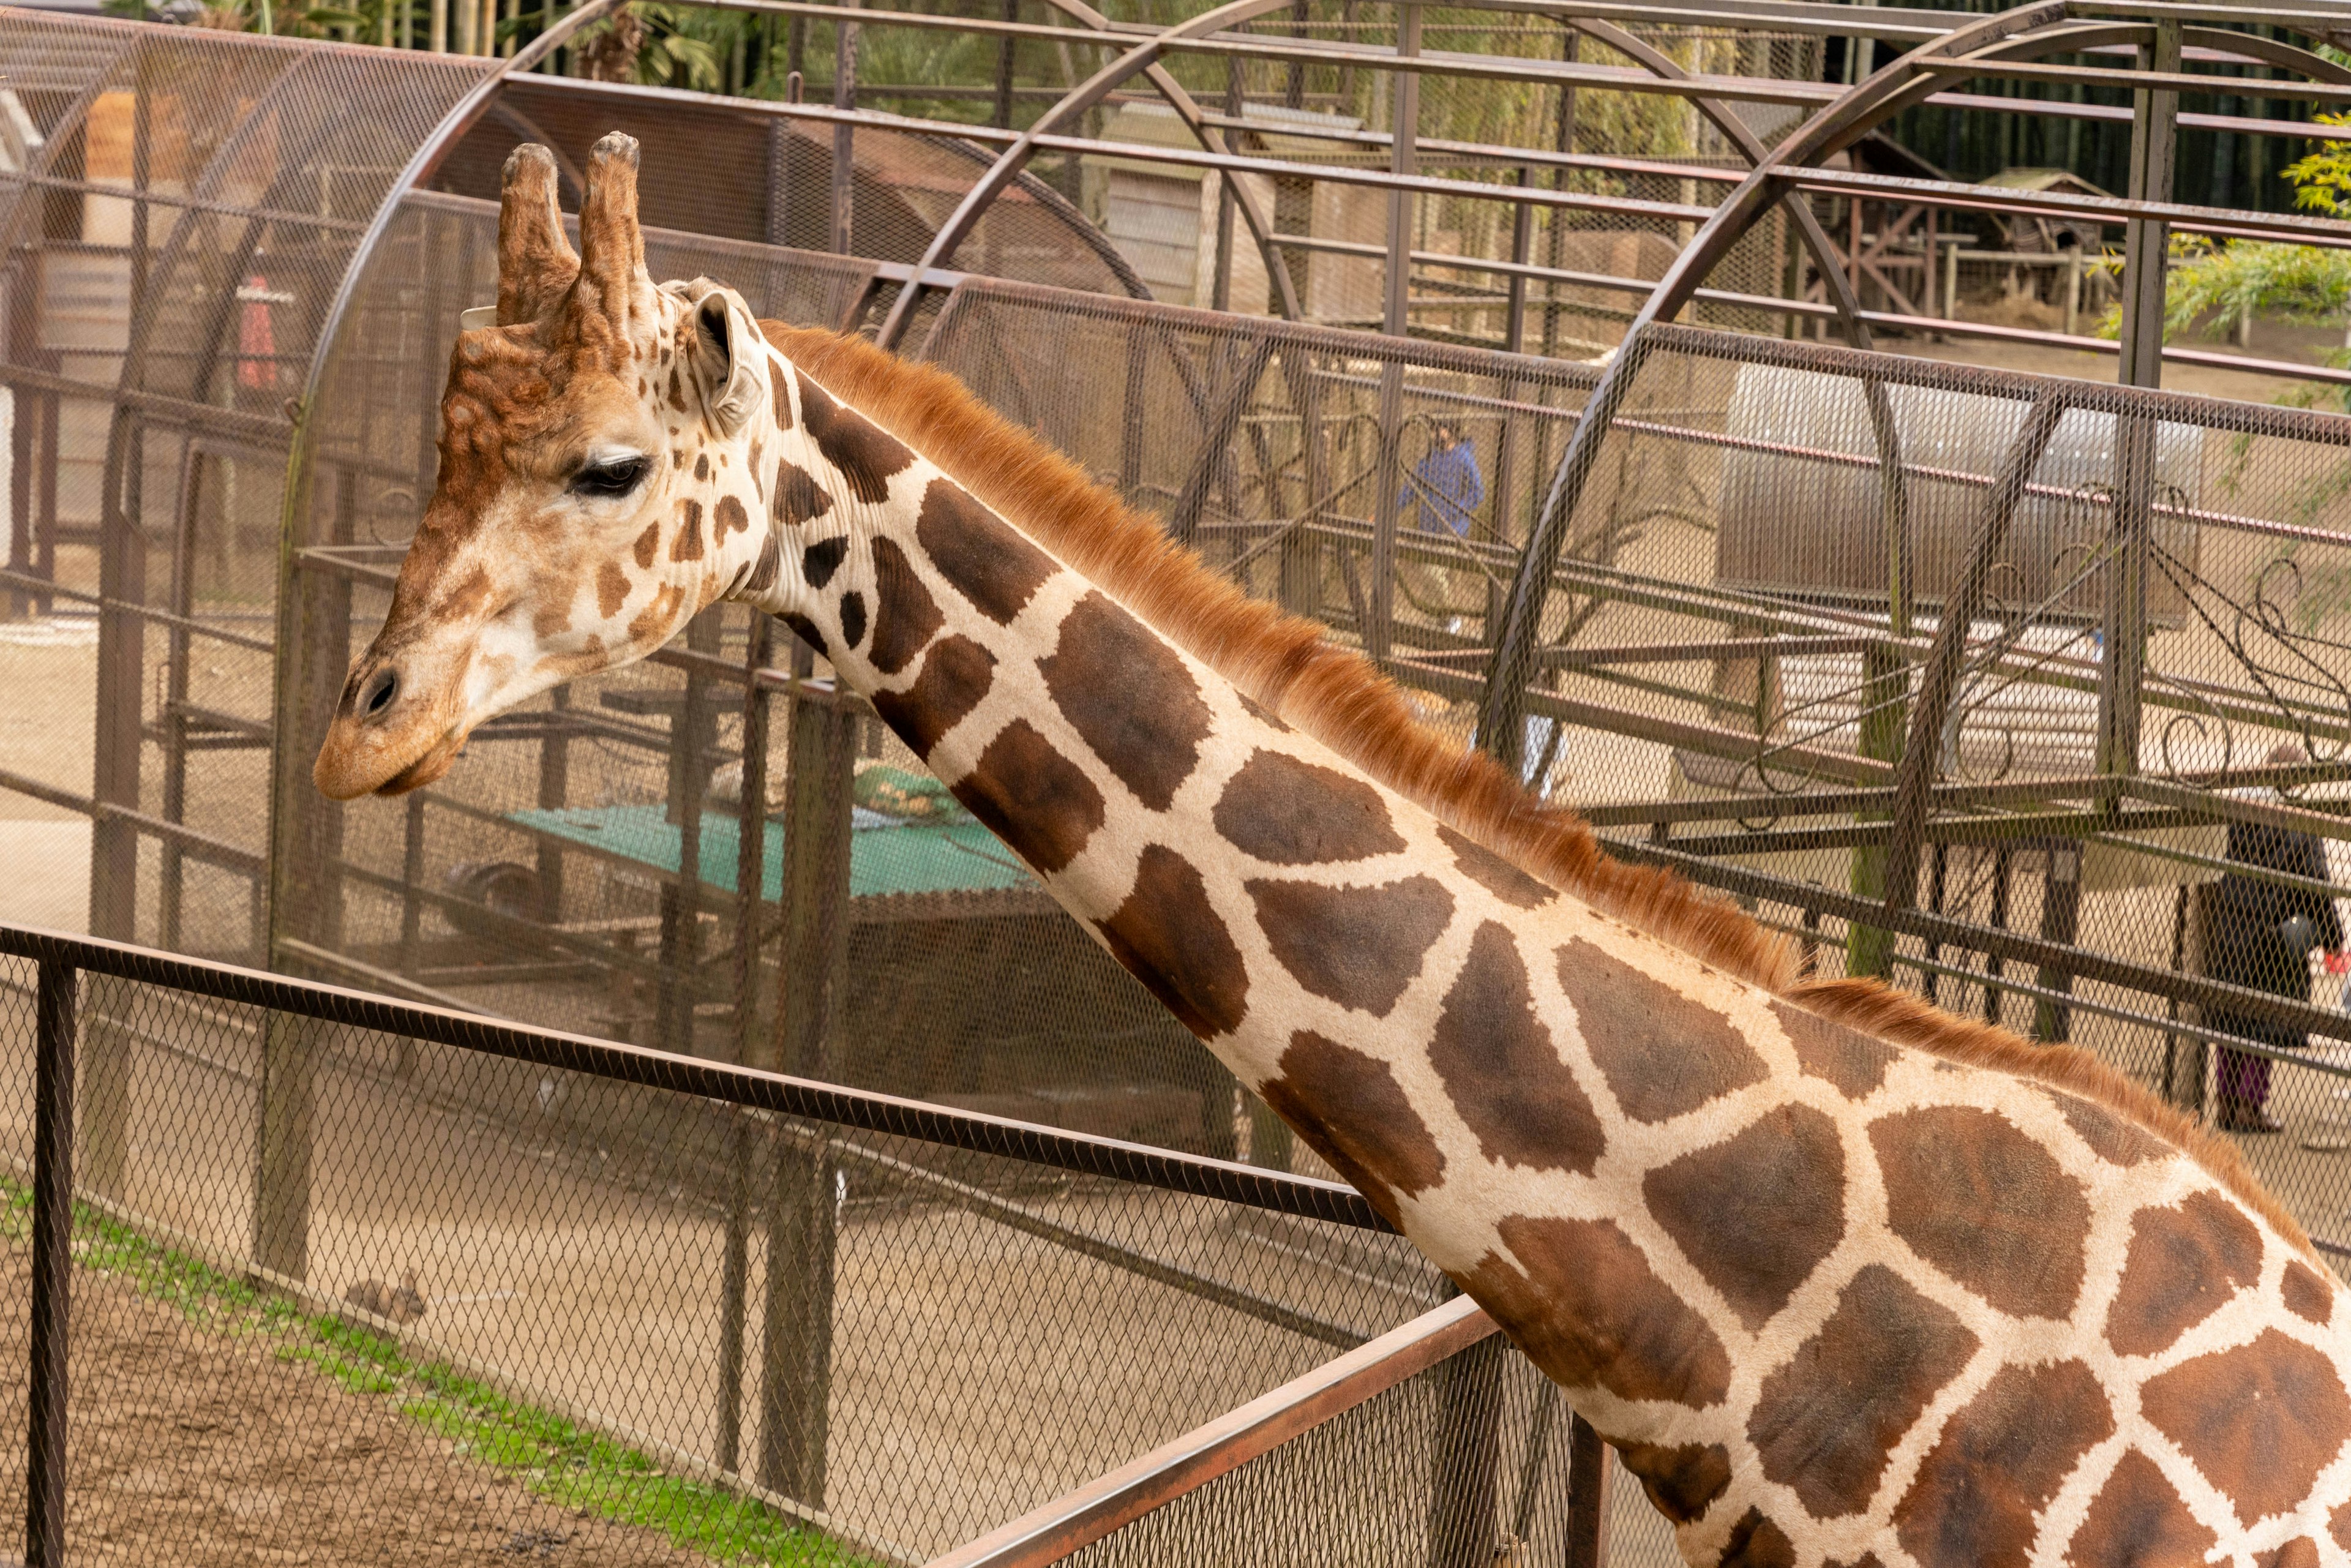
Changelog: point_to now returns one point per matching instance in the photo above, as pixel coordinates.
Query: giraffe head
(586, 436)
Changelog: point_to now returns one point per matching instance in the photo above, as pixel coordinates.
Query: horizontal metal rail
(1080, 1518)
(1082, 1153)
(2285, 227)
(2058, 957)
(48, 589)
(197, 845)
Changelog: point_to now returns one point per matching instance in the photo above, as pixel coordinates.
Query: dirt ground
(190, 1448)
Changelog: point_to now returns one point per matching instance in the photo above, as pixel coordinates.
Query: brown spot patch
(2338, 1525)
(799, 498)
(1032, 797)
(2184, 1262)
(1173, 940)
(806, 630)
(864, 453)
(647, 543)
(702, 465)
(687, 545)
(2306, 1296)
(2110, 1137)
(777, 399)
(1682, 1482)
(554, 619)
(822, 559)
(764, 569)
(1127, 693)
(1756, 1213)
(1284, 811)
(1495, 874)
(905, 617)
(2137, 1518)
(852, 619)
(1358, 947)
(1348, 1105)
(1979, 1496)
(1826, 1423)
(653, 620)
(1662, 1053)
(981, 557)
(2302, 1551)
(730, 517)
(1757, 1542)
(1582, 1301)
(1502, 1069)
(2260, 1421)
(1846, 1058)
(1985, 1203)
(677, 391)
(956, 675)
(1262, 714)
(612, 588)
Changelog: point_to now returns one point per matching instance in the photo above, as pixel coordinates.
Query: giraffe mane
(1335, 694)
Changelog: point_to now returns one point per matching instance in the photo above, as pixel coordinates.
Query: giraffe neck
(1829, 1297)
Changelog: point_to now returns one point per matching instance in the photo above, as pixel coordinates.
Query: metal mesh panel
(502, 1301)
(193, 201)
(1763, 630)
(1263, 445)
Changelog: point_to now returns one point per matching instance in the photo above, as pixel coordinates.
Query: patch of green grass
(555, 1460)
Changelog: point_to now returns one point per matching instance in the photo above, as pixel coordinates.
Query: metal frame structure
(1888, 802)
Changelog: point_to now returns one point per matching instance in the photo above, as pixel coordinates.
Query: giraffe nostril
(380, 692)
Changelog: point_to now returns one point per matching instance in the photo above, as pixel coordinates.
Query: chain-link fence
(384, 1284)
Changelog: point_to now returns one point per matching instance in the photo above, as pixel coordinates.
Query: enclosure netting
(1739, 621)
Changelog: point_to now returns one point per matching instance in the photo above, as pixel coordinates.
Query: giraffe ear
(613, 277)
(727, 352)
(535, 263)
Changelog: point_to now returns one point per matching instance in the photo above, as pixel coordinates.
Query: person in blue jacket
(1445, 492)
(1447, 485)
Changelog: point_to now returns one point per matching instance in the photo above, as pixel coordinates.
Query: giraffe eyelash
(610, 480)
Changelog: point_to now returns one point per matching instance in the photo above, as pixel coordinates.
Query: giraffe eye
(610, 480)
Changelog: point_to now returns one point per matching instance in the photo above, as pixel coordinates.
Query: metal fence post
(796, 1350)
(752, 1040)
(1462, 1518)
(1587, 1496)
(1403, 159)
(53, 1127)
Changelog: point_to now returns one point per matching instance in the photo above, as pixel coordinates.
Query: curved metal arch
(2269, 51)
(1144, 57)
(422, 164)
(1187, 110)
(1894, 484)
(2014, 34)
(149, 308)
(1053, 201)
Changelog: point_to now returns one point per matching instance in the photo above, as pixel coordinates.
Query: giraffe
(1843, 1279)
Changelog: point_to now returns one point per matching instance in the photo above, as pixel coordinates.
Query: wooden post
(281, 1186)
(102, 1080)
(796, 1355)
